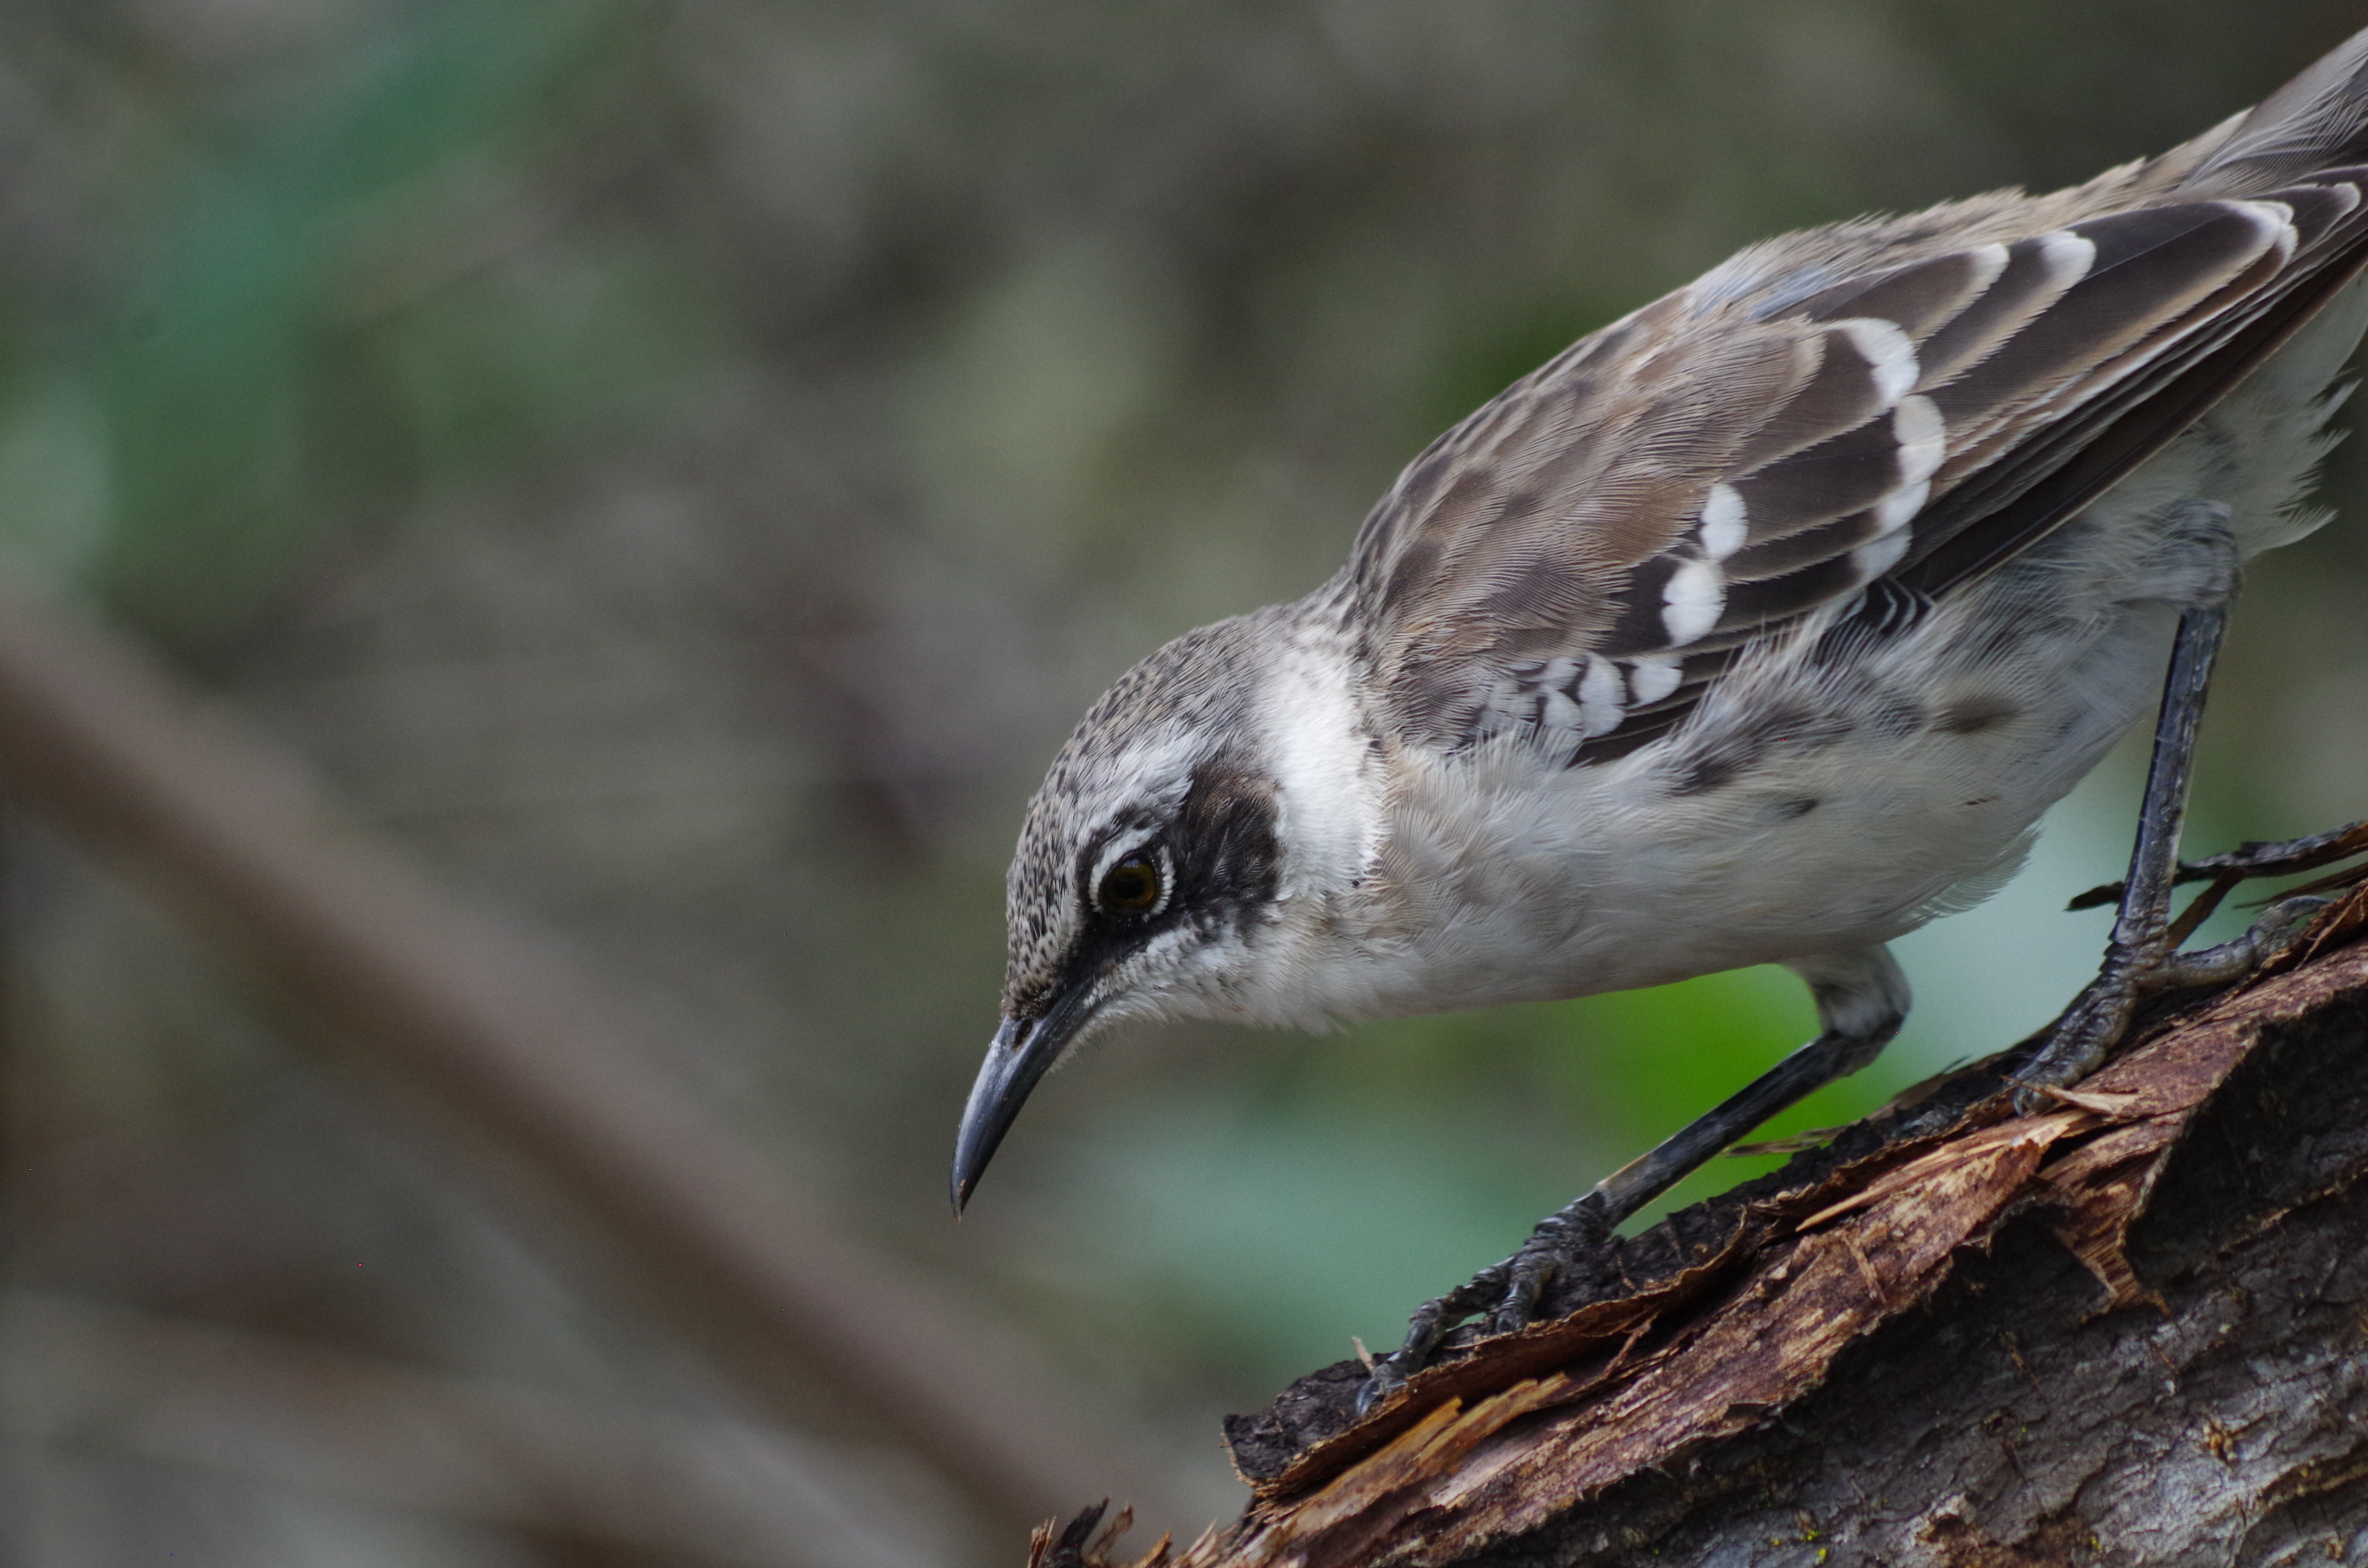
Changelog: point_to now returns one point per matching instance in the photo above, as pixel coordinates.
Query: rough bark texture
(2127, 1330)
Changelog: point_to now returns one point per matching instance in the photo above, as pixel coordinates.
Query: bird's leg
(2137, 956)
(1862, 1000)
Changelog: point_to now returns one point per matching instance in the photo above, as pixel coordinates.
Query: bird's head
(1179, 859)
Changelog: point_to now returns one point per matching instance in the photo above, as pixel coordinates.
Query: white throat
(1330, 803)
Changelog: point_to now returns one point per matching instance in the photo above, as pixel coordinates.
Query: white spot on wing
(1690, 604)
(2067, 255)
(1723, 525)
(2272, 219)
(1923, 438)
(1652, 677)
(1987, 261)
(1557, 711)
(1874, 559)
(1901, 504)
(1890, 357)
(1503, 705)
(1601, 693)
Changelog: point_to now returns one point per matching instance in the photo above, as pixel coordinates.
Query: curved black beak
(1023, 1051)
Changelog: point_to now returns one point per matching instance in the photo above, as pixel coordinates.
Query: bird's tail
(2318, 121)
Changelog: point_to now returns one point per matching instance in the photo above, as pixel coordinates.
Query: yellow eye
(1131, 887)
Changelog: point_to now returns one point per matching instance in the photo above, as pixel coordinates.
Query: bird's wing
(1579, 555)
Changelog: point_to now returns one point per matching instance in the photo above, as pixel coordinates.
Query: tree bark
(2126, 1330)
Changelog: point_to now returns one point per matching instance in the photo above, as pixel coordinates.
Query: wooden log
(2126, 1330)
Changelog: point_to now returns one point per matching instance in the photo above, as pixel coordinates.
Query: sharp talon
(2082, 1039)
(2089, 1029)
(1577, 1231)
(2280, 927)
(2285, 920)
(1521, 1300)
(2029, 1101)
(1507, 1292)
(1386, 1381)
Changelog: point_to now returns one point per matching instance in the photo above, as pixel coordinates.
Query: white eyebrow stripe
(1124, 845)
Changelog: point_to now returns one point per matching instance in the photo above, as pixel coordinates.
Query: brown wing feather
(1582, 554)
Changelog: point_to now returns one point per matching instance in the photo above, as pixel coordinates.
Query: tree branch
(2125, 1330)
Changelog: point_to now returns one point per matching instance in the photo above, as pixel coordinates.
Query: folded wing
(1582, 554)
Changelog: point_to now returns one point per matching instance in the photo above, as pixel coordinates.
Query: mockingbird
(1759, 627)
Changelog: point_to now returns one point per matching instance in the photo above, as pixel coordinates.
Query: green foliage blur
(678, 469)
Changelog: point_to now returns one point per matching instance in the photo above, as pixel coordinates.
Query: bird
(1759, 626)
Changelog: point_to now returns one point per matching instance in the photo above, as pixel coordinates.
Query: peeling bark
(2126, 1330)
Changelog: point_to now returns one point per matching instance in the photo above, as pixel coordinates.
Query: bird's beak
(1023, 1051)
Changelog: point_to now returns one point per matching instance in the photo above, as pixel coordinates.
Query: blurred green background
(679, 468)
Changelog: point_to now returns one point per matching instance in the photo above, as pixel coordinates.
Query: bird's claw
(1570, 1235)
(1430, 1324)
(2094, 1023)
(2082, 1039)
(1508, 1291)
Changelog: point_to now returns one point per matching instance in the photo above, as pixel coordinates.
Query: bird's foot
(1507, 1292)
(2089, 1029)
(2082, 1037)
(1862, 996)
(2260, 857)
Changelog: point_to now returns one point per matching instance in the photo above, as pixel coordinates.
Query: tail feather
(2318, 121)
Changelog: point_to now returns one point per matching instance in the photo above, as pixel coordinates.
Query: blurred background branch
(505, 1042)
(674, 470)
(272, 1413)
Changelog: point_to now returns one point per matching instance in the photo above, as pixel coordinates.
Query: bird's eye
(1131, 887)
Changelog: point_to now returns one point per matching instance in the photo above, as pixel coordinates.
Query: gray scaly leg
(2139, 944)
(1861, 1001)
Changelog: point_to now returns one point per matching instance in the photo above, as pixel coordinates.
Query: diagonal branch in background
(2123, 1331)
(691, 1489)
(498, 1036)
